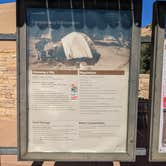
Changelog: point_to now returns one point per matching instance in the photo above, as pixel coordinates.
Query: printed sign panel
(78, 80)
(162, 135)
(78, 64)
(158, 85)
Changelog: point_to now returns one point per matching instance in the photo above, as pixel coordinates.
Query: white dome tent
(74, 47)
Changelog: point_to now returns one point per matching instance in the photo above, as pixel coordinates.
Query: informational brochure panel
(78, 77)
(157, 148)
(162, 135)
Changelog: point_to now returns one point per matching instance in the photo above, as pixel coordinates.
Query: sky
(146, 15)
(147, 12)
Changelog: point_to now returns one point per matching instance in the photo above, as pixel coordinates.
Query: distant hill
(146, 33)
(147, 30)
(8, 18)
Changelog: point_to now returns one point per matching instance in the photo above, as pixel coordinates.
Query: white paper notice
(78, 111)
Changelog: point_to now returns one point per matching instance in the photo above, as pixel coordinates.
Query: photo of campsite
(82, 39)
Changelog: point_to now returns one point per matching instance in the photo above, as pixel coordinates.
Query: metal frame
(7, 37)
(8, 151)
(159, 12)
(22, 96)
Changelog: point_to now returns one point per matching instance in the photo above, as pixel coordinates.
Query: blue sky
(6, 1)
(147, 10)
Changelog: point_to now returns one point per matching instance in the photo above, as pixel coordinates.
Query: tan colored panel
(8, 18)
(12, 161)
(8, 134)
(7, 46)
(7, 86)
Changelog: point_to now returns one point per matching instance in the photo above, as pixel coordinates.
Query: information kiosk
(78, 66)
(157, 151)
